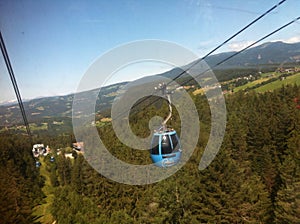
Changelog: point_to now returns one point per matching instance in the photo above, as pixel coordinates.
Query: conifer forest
(150, 112)
(255, 177)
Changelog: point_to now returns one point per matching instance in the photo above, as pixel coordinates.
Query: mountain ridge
(274, 54)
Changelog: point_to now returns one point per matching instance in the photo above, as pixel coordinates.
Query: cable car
(52, 159)
(165, 146)
(37, 164)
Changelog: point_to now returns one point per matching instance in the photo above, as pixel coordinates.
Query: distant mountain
(271, 53)
(267, 53)
(55, 107)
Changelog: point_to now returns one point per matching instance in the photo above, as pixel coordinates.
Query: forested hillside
(255, 177)
(20, 181)
(267, 57)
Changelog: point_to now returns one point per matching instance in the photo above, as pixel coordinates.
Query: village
(39, 150)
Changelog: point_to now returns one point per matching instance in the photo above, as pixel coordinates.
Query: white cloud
(205, 43)
(291, 40)
(239, 45)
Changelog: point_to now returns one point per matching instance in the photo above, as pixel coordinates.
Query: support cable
(226, 59)
(14, 82)
(212, 51)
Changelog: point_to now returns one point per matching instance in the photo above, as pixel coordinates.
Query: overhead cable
(14, 82)
(215, 49)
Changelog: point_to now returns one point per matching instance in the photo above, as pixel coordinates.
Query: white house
(39, 149)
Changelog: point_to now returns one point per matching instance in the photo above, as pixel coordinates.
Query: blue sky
(52, 43)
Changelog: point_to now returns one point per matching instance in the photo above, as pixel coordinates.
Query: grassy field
(33, 127)
(198, 91)
(269, 74)
(42, 211)
(250, 84)
(293, 79)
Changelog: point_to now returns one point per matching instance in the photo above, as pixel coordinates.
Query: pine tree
(287, 209)
(64, 169)
(19, 180)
